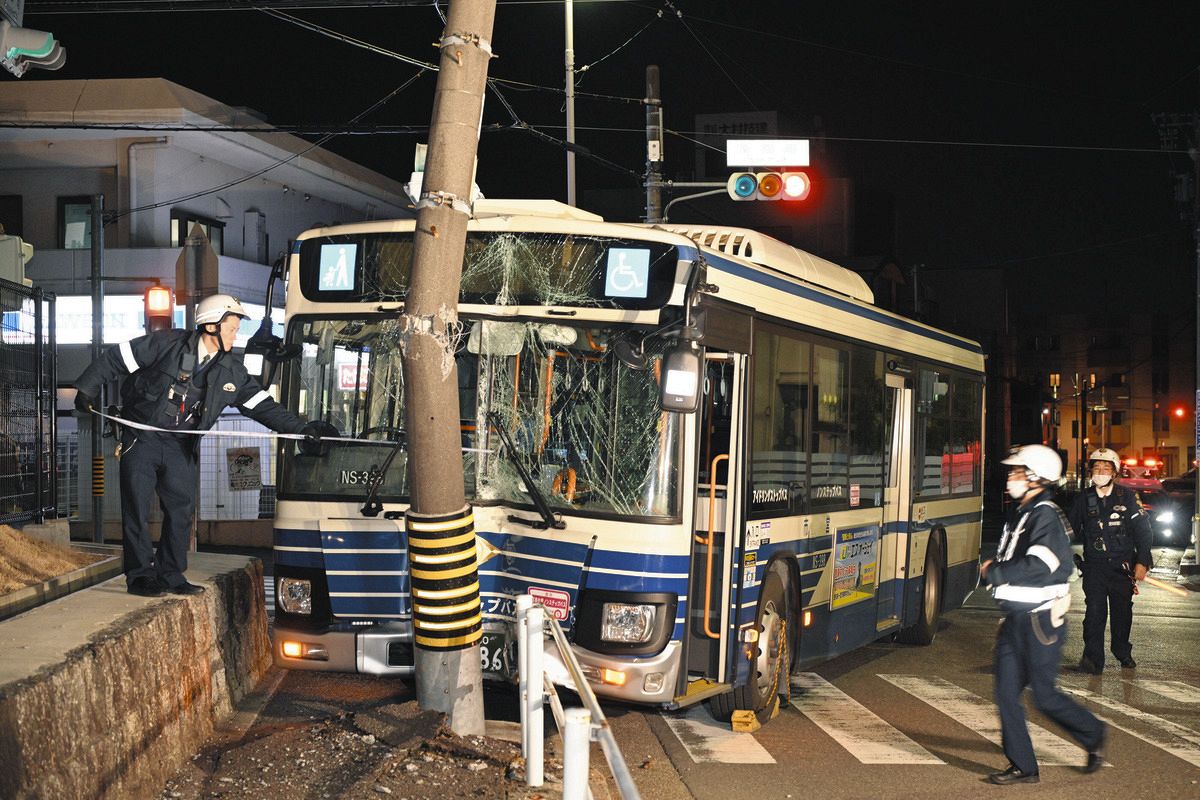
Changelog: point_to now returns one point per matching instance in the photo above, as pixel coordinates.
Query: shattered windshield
(586, 426)
(499, 268)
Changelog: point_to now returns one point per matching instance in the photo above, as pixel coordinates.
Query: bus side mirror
(681, 378)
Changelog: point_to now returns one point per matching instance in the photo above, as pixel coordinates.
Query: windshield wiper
(373, 504)
(539, 500)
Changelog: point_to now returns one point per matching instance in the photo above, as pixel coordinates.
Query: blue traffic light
(742, 186)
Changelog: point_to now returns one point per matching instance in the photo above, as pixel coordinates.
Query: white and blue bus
(825, 493)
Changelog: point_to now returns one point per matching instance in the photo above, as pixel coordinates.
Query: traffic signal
(768, 185)
(160, 309)
(22, 48)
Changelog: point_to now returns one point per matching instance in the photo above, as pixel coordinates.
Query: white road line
(867, 737)
(979, 715)
(1164, 734)
(1176, 690)
(707, 740)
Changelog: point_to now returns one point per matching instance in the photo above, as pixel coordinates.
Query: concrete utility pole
(447, 622)
(654, 146)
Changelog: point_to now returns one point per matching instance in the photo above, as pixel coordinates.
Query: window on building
(1118, 418)
(182, 223)
(11, 214)
(75, 222)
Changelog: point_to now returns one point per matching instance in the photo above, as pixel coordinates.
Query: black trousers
(1107, 589)
(1028, 648)
(167, 465)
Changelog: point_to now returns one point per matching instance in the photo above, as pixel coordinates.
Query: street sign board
(766, 152)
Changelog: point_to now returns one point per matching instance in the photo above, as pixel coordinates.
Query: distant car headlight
(295, 595)
(625, 622)
(1165, 516)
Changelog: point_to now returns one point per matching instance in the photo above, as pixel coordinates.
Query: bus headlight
(295, 595)
(625, 622)
(1166, 516)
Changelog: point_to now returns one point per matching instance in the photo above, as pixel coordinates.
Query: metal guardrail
(578, 727)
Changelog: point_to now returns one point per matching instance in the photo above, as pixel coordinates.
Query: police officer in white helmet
(175, 381)
(1116, 536)
(1029, 580)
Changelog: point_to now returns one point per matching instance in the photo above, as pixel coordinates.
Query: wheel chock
(744, 722)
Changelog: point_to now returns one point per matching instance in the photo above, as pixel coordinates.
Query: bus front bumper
(385, 649)
(649, 680)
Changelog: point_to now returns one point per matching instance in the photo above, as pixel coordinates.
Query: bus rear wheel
(771, 666)
(925, 629)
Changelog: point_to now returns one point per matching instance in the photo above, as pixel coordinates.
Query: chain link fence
(28, 477)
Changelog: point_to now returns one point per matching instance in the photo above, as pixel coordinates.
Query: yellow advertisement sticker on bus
(856, 554)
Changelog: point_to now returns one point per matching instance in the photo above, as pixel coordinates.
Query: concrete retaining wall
(104, 694)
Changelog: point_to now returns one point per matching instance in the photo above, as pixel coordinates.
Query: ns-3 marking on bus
(355, 477)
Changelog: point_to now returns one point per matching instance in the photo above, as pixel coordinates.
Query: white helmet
(1104, 454)
(1038, 460)
(215, 308)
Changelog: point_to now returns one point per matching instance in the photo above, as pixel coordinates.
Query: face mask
(1101, 480)
(1017, 489)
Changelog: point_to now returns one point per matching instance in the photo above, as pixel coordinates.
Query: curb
(22, 600)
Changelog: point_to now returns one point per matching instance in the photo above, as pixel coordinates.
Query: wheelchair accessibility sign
(627, 273)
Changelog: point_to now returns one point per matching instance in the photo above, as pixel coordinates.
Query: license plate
(491, 652)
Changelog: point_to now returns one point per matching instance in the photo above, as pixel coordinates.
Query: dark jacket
(1119, 521)
(1034, 561)
(161, 368)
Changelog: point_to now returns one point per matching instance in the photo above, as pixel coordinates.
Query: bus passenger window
(781, 425)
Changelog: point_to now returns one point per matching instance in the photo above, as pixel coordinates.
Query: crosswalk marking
(866, 736)
(1176, 690)
(707, 740)
(980, 716)
(1163, 733)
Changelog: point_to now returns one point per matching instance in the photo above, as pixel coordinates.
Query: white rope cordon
(141, 426)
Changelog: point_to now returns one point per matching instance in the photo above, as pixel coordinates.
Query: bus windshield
(584, 424)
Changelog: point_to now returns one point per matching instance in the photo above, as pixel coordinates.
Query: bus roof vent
(758, 248)
(487, 207)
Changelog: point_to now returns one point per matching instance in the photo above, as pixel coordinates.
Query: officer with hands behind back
(1029, 580)
(177, 380)
(1116, 537)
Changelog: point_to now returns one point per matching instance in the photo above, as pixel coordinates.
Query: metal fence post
(577, 744)
(534, 761)
(524, 603)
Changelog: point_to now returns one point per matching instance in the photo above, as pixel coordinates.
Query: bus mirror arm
(539, 500)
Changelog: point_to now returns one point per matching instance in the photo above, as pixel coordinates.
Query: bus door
(718, 514)
(897, 436)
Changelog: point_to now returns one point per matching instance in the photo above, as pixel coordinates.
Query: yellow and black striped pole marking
(445, 580)
(98, 476)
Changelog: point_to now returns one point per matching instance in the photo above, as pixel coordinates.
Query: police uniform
(1116, 536)
(168, 389)
(1029, 582)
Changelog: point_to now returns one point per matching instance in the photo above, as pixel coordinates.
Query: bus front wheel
(925, 628)
(773, 655)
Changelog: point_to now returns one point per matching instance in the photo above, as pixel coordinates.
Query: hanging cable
(382, 101)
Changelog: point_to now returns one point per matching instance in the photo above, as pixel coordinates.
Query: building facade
(170, 164)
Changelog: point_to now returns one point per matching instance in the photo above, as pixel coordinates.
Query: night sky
(1015, 135)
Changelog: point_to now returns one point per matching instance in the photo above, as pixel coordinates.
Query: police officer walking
(1029, 578)
(177, 380)
(1116, 555)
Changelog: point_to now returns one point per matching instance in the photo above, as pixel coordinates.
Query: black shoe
(1128, 662)
(1013, 775)
(186, 588)
(1095, 758)
(146, 587)
(1086, 665)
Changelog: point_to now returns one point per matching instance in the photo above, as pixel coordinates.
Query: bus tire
(761, 693)
(925, 629)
